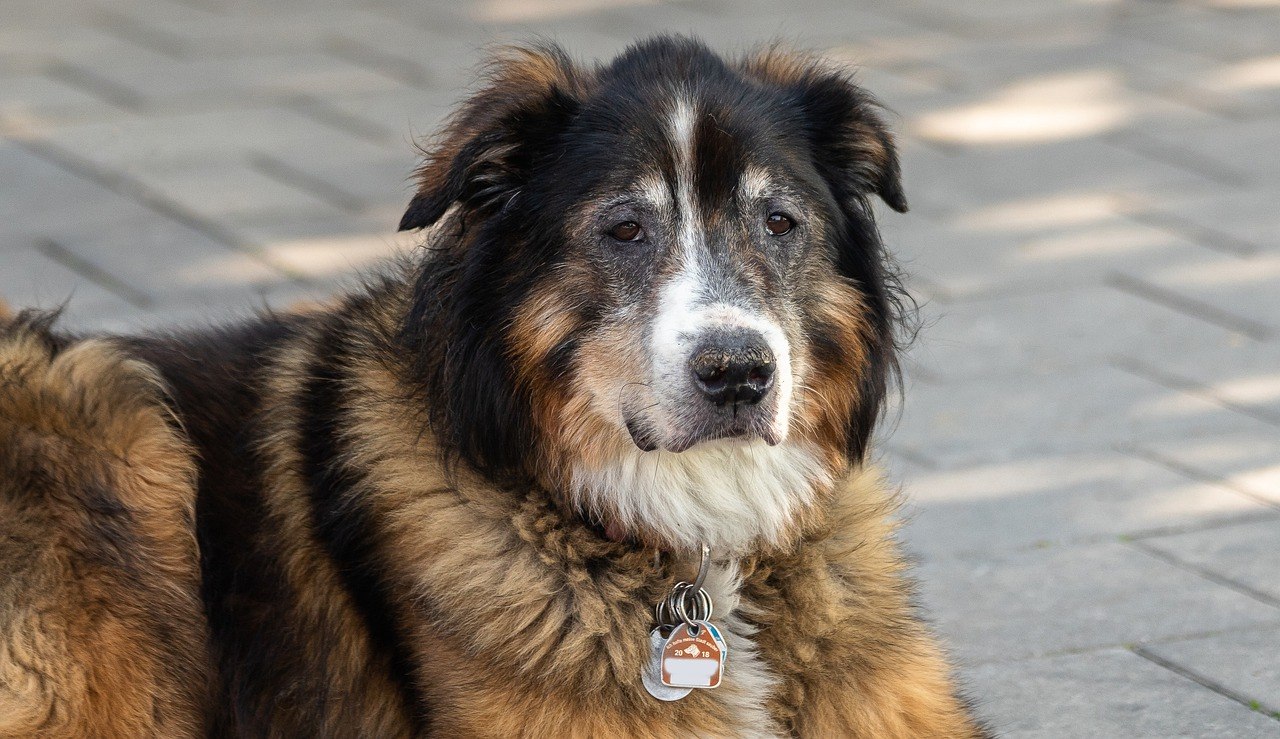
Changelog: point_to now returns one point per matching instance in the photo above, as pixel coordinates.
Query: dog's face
(662, 293)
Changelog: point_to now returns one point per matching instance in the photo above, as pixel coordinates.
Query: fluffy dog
(653, 313)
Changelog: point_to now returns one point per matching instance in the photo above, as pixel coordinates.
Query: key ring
(687, 602)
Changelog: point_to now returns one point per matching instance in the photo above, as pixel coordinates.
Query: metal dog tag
(692, 657)
(651, 676)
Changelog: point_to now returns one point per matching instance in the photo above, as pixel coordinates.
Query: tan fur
(786, 66)
(101, 630)
(825, 405)
(549, 639)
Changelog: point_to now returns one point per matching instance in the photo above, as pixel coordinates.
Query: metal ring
(699, 608)
(704, 564)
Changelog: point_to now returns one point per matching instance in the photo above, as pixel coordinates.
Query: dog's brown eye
(627, 231)
(778, 224)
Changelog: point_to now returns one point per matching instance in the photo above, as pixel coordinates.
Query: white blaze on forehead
(690, 229)
(686, 307)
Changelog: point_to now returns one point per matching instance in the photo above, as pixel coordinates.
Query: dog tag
(692, 657)
(719, 640)
(652, 678)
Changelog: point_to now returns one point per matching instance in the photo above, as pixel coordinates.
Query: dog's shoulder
(96, 542)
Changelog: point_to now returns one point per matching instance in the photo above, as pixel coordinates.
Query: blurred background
(1090, 439)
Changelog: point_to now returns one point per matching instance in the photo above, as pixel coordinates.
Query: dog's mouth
(744, 427)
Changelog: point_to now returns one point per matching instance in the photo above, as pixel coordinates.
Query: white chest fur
(748, 682)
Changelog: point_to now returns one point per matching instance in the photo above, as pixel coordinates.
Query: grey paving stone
(323, 248)
(156, 257)
(817, 22)
(1239, 288)
(976, 261)
(1050, 331)
(1064, 106)
(351, 184)
(1241, 146)
(1248, 553)
(31, 279)
(1005, 18)
(1068, 167)
(1240, 33)
(209, 136)
(400, 116)
(1121, 65)
(236, 78)
(1243, 662)
(269, 30)
(1009, 418)
(41, 199)
(1003, 606)
(1245, 455)
(40, 40)
(1244, 376)
(1112, 693)
(228, 187)
(1249, 216)
(33, 102)
(1060, 498)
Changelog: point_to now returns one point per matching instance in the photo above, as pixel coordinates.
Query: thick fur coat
(389, 517)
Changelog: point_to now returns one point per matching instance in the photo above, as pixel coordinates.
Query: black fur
(343, 521)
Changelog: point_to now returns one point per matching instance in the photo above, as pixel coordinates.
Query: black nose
(733, 368)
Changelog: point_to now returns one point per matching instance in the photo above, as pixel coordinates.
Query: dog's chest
(749, 683)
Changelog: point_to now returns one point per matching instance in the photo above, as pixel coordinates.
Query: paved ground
(1091, 436)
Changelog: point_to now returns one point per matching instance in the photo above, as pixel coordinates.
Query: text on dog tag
(692, 658)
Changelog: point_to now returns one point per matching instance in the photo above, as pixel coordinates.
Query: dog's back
(101, 628)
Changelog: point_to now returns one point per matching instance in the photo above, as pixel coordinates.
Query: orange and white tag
(693, 656)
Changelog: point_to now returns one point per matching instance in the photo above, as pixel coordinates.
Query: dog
(650, 332)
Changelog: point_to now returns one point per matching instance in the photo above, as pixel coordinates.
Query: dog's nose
(733, 368)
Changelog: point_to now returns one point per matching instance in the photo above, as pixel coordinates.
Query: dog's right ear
(487, 148)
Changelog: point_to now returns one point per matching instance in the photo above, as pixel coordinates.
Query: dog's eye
(779, 224)
(627, 231)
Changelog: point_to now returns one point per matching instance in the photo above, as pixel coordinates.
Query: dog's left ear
(488, 145)
(853, 148)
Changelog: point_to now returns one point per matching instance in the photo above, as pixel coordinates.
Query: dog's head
(658, 288)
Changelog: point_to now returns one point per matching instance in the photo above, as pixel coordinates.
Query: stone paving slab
(34, 279)
(982, 262)
(1111, 693)
(978, 178)
(1004, 418)
(1248, 553)
(1246, 456)
(1062, 498)
(237, 77)
(1041, 602)
(209, 136)
(1053, 331)
(1239, 288)
(1244, 217)
(1243, 663)
(155, 258)
(227, 188)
